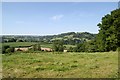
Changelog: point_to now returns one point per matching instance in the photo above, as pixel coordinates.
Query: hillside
(68, 38)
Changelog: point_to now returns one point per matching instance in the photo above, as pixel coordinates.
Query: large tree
(108, 37)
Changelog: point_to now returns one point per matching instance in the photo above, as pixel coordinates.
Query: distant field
(16, 44)
(46, 45)
(65, 65)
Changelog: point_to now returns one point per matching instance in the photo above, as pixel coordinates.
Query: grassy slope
(46, 45)
(43, 65)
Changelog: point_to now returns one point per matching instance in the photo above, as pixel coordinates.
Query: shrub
(70, 49)
(4, 48)
(58, 46)
(9, 50)
(12, 49)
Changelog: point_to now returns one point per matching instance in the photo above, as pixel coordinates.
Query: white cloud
(57, 17)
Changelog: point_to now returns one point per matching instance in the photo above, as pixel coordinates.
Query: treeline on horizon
(108, 38)
(71, 38)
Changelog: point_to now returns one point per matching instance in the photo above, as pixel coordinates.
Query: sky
(49, 18)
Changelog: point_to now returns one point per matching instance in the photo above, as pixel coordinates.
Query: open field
(16, 44)
(65, 65)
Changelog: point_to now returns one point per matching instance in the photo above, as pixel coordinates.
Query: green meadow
(16, 44)
(68, 54)
(60, 65)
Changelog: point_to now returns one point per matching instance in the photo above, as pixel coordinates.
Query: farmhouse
(46, 49)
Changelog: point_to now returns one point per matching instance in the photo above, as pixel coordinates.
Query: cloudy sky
(46, 18)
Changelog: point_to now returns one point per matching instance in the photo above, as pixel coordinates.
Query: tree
(91, 46)
(7, 49)
(34, 47)
(108, 36)
(19, 40)
(70, 49)
(58, 46)
(4, 48)
(80, 48)
(38, 47)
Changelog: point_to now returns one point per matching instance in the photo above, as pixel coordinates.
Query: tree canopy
(108, 37)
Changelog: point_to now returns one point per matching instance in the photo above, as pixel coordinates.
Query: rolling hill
(68, 38)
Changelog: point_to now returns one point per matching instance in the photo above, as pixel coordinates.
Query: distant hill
(68, 38)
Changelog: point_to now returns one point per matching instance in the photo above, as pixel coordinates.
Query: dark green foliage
(71, 49)
(58, 46)
(68, 38)
(20, 40)
(7, 49)
(12, 49)
(4, 48)
(39, 47)
(36, 47)
(109, 33)
(91, 46)
(79, 48)
(12, 40)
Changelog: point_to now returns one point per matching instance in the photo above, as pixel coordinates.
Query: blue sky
(47, 18)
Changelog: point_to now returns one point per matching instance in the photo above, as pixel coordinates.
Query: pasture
(60, 65)
(17, 44)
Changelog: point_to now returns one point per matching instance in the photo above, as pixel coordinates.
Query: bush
(9, 50)
(4, 48)
(70, 49)
(36, 47)
(12, 49)
(58, 46)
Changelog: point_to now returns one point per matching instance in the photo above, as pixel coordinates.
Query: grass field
(65, 65)
(16, 44)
